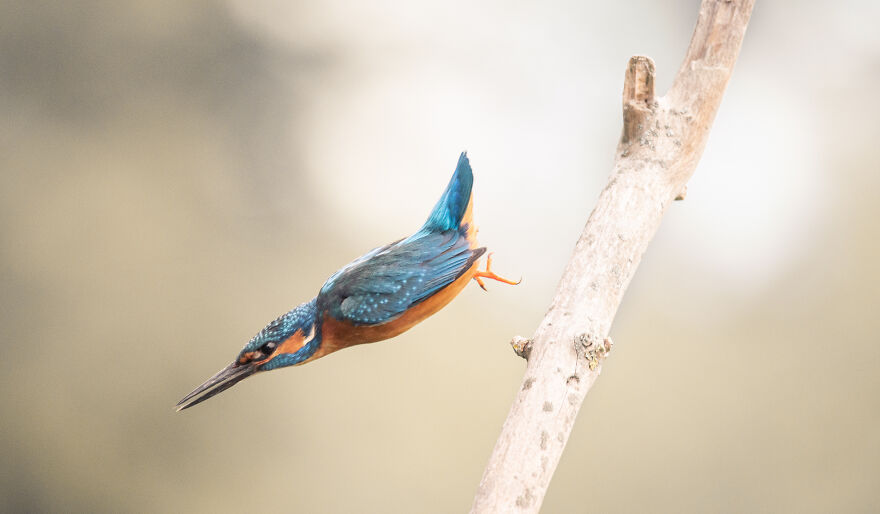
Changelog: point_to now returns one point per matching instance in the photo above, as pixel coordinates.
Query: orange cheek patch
(293, 343)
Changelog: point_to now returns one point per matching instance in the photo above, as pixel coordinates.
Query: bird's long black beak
(223, 380)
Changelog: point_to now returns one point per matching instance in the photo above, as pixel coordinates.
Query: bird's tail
(451, 207)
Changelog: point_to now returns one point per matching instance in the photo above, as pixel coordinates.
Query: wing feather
(383, 284)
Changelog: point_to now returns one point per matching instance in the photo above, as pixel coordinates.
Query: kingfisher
(375, 297)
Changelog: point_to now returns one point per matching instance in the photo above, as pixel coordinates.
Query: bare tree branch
(662, 141)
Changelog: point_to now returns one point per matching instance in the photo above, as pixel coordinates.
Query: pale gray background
(173, 175)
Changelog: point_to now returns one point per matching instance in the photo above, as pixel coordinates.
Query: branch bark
(661, 144)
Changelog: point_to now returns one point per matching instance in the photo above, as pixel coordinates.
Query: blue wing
(383, 284)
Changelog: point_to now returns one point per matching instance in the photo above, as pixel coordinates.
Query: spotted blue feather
(301, 318)
(383, 284)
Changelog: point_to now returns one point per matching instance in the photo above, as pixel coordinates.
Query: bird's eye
(258, 354)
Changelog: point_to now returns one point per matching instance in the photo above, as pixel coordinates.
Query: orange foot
(479, 275)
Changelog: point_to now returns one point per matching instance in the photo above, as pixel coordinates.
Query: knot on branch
(681, 196)
(638, 96)
(522, 346)
(590, 348)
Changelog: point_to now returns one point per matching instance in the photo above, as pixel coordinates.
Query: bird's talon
(488, 273)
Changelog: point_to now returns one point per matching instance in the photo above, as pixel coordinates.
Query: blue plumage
(452, 205)
(398, 276)
(302, 318)
(381, 285)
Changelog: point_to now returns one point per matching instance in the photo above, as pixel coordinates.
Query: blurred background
(173, 175)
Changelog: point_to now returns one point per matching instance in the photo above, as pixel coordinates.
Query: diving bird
(375, 297)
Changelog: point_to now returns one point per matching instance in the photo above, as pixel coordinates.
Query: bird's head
(289, 340)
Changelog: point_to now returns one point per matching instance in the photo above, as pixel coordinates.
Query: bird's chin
(223, 380)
